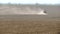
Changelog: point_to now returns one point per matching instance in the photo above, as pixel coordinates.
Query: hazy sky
(32, 1)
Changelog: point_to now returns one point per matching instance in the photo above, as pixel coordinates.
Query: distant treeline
(37, 4)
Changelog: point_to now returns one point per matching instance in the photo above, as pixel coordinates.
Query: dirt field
(29, 25)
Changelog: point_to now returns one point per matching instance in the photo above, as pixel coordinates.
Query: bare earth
(29, 24)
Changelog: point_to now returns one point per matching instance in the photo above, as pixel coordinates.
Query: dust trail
(21, 10)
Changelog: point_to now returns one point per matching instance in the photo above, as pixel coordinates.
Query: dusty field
(52, 10)
(29, 25)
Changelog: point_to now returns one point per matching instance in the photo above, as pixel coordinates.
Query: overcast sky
(31, 1)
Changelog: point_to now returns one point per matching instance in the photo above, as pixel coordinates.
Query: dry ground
(30, 24)
(23, 25)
